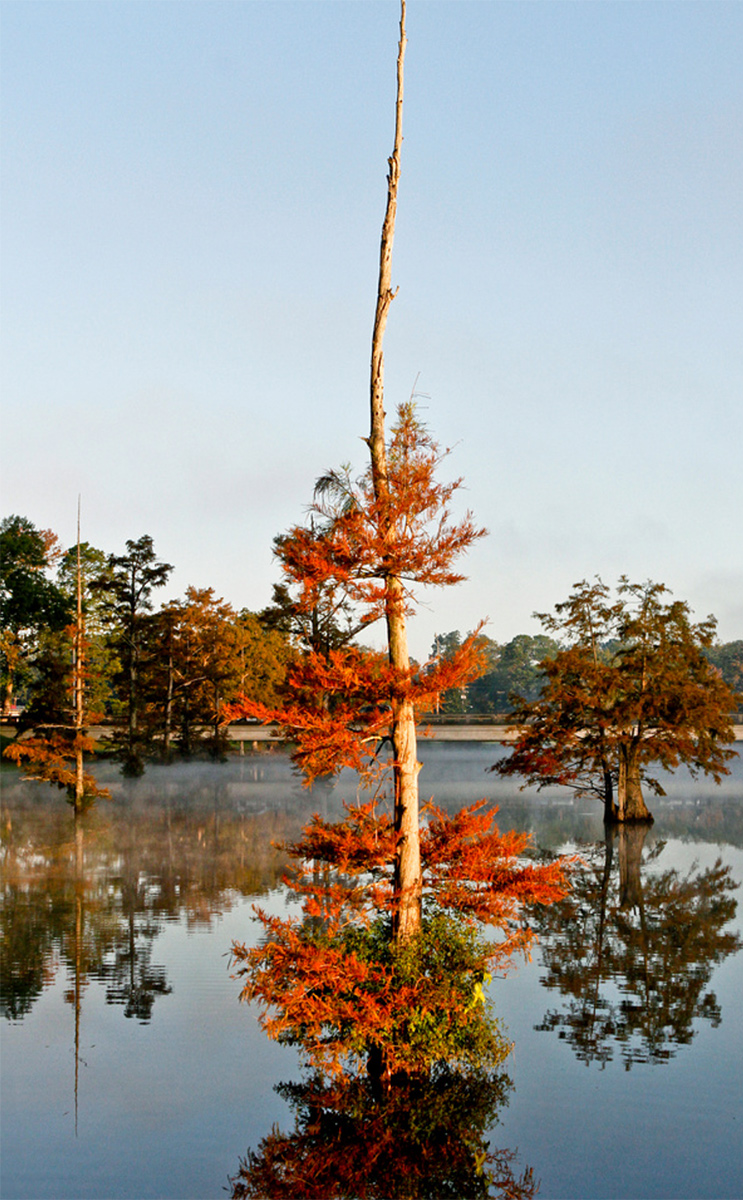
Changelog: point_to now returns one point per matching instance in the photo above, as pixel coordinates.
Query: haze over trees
(511, 673)
(177, 701)
(202, 653)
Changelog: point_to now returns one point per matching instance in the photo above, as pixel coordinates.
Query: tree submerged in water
(335, 981)
(387, 963)
(631, 686)
(55, 754)
(386, 966)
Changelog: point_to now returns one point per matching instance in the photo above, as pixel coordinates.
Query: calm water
(130, 1070)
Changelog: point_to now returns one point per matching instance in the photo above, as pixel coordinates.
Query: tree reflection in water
(59, 910)
(354, 1140)
(633, 956)
(92, 897)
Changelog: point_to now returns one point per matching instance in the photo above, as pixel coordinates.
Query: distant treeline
(513, 671)
(157, 673)
(161, 675)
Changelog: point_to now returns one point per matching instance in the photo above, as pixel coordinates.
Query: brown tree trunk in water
(631, 842)
(407, 824)
(78, 679)
(406, 766)
(630, 803)
(610, 808)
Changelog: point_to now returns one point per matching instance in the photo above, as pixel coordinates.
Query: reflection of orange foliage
(51, 760)
(351, 980)
(419, 1138)
(331, 981)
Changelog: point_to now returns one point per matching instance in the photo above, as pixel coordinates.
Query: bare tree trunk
(132, 764)
(610, 808)
(167, 730)
(78, 679)
(631, 842)
(630, 803)
(10, 650)
(406, 766)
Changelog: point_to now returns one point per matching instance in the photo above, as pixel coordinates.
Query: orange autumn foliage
(360, 541)
(338, 981)
(337, 705)
(50, 758)
(332, 981)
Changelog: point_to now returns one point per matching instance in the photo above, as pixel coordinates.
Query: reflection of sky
(167, 1108)
(670, 1130)
(193, 195)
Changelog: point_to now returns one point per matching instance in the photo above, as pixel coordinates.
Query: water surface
(129, 1069)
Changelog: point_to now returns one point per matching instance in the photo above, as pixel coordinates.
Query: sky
(192, 199)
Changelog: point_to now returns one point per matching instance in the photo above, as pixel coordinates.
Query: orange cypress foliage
(51, 759)
(359, 541)
(477, 871)
(386, 961)
(338, 981)
(334, 983)
(337, 705)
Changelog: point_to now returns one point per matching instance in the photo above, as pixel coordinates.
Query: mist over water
(130, 1069)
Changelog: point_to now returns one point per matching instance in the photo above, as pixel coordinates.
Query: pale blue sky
(192, 201)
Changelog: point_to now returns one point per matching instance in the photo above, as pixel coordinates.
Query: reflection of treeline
(94, 899)
(632, 950)
(712, 820)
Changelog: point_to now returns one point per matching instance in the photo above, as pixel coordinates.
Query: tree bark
(10, 649)
(78, 678)
(631, 842)
(630, 803)
(167, 731)
(407, 919)
(610, 808)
